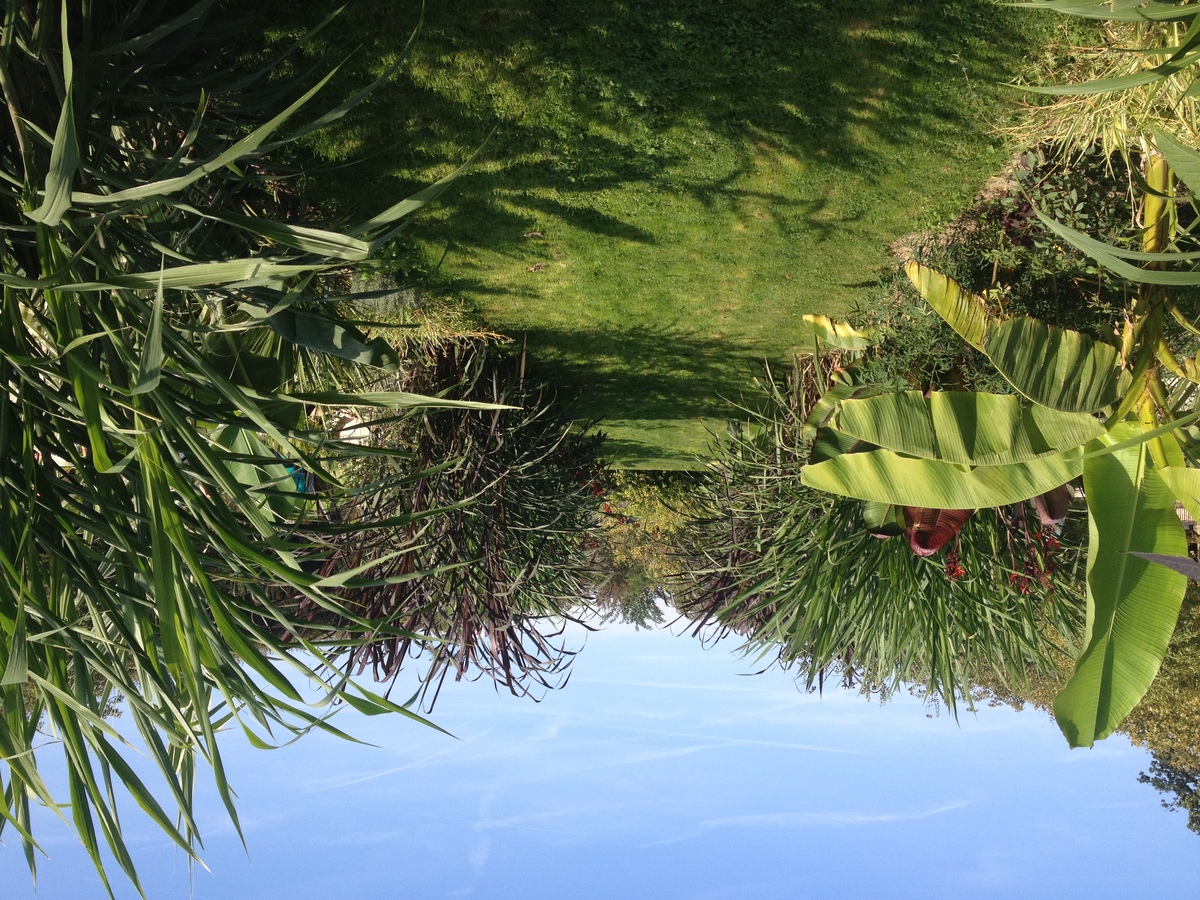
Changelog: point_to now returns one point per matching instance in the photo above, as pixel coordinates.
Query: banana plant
(1135, 386)
(802, 576)
(1081, 407)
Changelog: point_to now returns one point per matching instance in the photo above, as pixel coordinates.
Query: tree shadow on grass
(771, 107)
(588, 95)
(643, 374)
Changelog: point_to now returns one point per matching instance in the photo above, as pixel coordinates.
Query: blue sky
(663, 771)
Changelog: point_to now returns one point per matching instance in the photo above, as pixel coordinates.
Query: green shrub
(999, 249)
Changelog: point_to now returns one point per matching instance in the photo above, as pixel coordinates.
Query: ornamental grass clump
(493, 551)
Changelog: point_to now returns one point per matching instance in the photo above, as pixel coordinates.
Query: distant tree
(1181, 781)
(637, 563)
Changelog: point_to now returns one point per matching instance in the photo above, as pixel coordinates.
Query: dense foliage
(807, 578)
(998, 248)
(477, 544)
(167, 313)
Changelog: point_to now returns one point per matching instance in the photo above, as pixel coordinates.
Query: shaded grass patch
(705, 171)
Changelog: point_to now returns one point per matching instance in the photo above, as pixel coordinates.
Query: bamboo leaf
(1117, 83)
(387, 400)
(244, 147)
(405, 208)
(1114, 10)
(16, 669)
(330, 244)
(260, 470)
(165, 30)
(245, 272)
(150, 369)
(64, 153)
(1110, 258)
(1184, 161)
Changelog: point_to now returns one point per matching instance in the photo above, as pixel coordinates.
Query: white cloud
(801, 820)
(809, 820)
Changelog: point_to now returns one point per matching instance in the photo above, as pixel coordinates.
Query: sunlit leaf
(1184, 483)
(1115, 10)
(961, 427)
(1114, 259)
(887, 477)
(1132, 605)
(1183, 160)
(1054, 367)
(965, 312)
(842, 335)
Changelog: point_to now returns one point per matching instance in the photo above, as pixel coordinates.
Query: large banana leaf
(1132, 605)
(887, 477)
(967, 428)
(842, 335)
(1061, 369)
(1184, 483)
(965, 312)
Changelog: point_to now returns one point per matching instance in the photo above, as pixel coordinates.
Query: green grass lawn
(668, 185)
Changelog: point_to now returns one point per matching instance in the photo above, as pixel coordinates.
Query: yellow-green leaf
(1061, 369)
(887, 477)
(960, 427)
(963, 311)
(1132, 605)
(842, 335)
